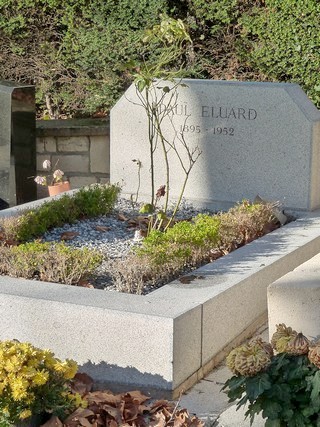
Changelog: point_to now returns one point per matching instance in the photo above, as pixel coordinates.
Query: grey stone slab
(99, 154)
(73, 144)
(206, 399)
(141, 349)
(72, 162)
(294, 299)
(17, 144)
(72, 127)
(255, 138)
(232, 417)
(187, 345)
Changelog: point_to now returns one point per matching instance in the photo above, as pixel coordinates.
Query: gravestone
(17, 144)
(255, 139)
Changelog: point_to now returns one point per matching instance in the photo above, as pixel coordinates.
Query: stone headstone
(255, 138)
(17, 144)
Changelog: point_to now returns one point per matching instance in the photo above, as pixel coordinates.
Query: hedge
(76, 52)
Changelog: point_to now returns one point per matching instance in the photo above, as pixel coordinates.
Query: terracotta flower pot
(59, 187)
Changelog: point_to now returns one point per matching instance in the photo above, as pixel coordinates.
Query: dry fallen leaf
(159, 420)
(189, 278)
(11, 242)
(102, 228)
(158, 404)
(79, 413)
(81, 383)
(179, 419)
(104, 397)
(136, 397)
(122, 217)
(69, 235)
(84, 422)
(113, 412)
(106, 409)
(85, 283)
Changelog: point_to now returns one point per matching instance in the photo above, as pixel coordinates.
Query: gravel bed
(109, 235)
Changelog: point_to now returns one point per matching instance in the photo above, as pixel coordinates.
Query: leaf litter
(130, 409)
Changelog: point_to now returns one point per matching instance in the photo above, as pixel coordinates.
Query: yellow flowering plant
(33, 381)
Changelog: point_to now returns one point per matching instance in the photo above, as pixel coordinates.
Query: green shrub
(88, 202)
(164, 256)
(214, 13)
(225, 231)
(244, 223)
(180, 241)
(96, 200)
(281, 39)
(49, 262)
(88, 43)
(91, 45)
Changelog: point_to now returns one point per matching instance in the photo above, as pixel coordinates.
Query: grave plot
(255, 139)
(170, 338)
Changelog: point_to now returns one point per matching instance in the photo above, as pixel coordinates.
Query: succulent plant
(298, 345)
(248, 359)
(314, 353)
(284, 387)
(230, 360)
(265, 345)
(281, 338)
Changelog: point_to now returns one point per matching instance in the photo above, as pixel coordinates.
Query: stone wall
(81, 147)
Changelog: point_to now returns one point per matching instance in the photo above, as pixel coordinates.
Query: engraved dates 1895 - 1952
(216, 130)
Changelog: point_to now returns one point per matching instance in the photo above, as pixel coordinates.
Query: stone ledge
(169, 338)
(72, 127)
(294, 299)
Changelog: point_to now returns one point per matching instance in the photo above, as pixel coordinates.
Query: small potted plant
(56, 184)
(285, 386)
(33, 383)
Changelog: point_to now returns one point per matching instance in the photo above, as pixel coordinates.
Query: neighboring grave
(256, 139)
(17, 144)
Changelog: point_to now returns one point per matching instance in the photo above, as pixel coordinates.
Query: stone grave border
(166, 340)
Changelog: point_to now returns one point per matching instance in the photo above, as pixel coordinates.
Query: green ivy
(214, 13)
(88, 43)
(282, 39)
(91, 43)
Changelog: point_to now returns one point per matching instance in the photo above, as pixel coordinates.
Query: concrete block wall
(81, 147)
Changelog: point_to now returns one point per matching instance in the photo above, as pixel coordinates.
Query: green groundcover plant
(20, 256)
(188, 244)
(285, 386)
(49, 262)
(88, 202)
